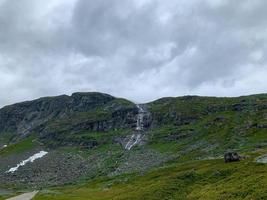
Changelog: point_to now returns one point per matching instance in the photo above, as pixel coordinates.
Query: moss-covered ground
(205, 179)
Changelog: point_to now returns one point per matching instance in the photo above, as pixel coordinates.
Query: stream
(138, 135)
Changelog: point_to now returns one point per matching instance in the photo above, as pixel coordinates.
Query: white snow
(30, 159)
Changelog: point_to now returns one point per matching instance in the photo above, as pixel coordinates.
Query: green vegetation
(67, 122)
(206, 126)
(88, 126)
(207, 179)
(25, 145)
(6, 137)
(182, 153)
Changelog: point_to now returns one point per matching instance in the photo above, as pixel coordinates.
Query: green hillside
(207, 179)
(179, 154)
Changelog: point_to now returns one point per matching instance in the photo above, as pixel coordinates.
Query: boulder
(231, 157)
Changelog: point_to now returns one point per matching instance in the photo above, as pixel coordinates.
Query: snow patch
(30, 159)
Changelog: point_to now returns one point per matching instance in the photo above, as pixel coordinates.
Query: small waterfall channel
(138, 135)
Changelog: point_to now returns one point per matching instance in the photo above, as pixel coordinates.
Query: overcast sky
(137, 49)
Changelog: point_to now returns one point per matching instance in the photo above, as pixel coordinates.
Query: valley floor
(195, 180)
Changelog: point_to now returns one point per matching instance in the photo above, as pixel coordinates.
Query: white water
(137, 137)
(140, 118)
(30, 159)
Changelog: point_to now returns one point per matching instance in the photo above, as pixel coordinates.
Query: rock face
(231, 157)
(80, 111)
(262, 159)
(142, 124)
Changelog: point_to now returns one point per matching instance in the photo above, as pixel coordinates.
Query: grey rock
(46, 116)
(262, 159)
(231, 157)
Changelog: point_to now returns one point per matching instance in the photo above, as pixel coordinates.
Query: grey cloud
(138, 49)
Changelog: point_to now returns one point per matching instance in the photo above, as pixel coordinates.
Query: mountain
(98, 145)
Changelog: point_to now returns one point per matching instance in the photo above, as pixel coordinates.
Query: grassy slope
(209, 179)
(217, 128)
(209, 136)
(25, 145)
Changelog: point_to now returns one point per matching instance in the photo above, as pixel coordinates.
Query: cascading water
(136, 138)
(140, 118)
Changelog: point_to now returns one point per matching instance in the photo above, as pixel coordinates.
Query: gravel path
(26, 196)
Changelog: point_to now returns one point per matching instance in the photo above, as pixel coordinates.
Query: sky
(137, 49)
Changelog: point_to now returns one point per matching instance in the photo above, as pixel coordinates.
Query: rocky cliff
(51, 117)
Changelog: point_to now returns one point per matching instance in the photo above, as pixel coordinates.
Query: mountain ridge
(89, 136)
(134, 102)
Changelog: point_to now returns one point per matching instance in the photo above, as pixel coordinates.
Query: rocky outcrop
(80, 111)
(143, 122)
(55, 168)
(262, 159)
(231, 157)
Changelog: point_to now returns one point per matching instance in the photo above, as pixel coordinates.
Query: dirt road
(26, 196)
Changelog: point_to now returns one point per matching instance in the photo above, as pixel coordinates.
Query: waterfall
(137, 137)
(140, 118)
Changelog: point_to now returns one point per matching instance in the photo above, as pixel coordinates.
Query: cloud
(137, 49)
